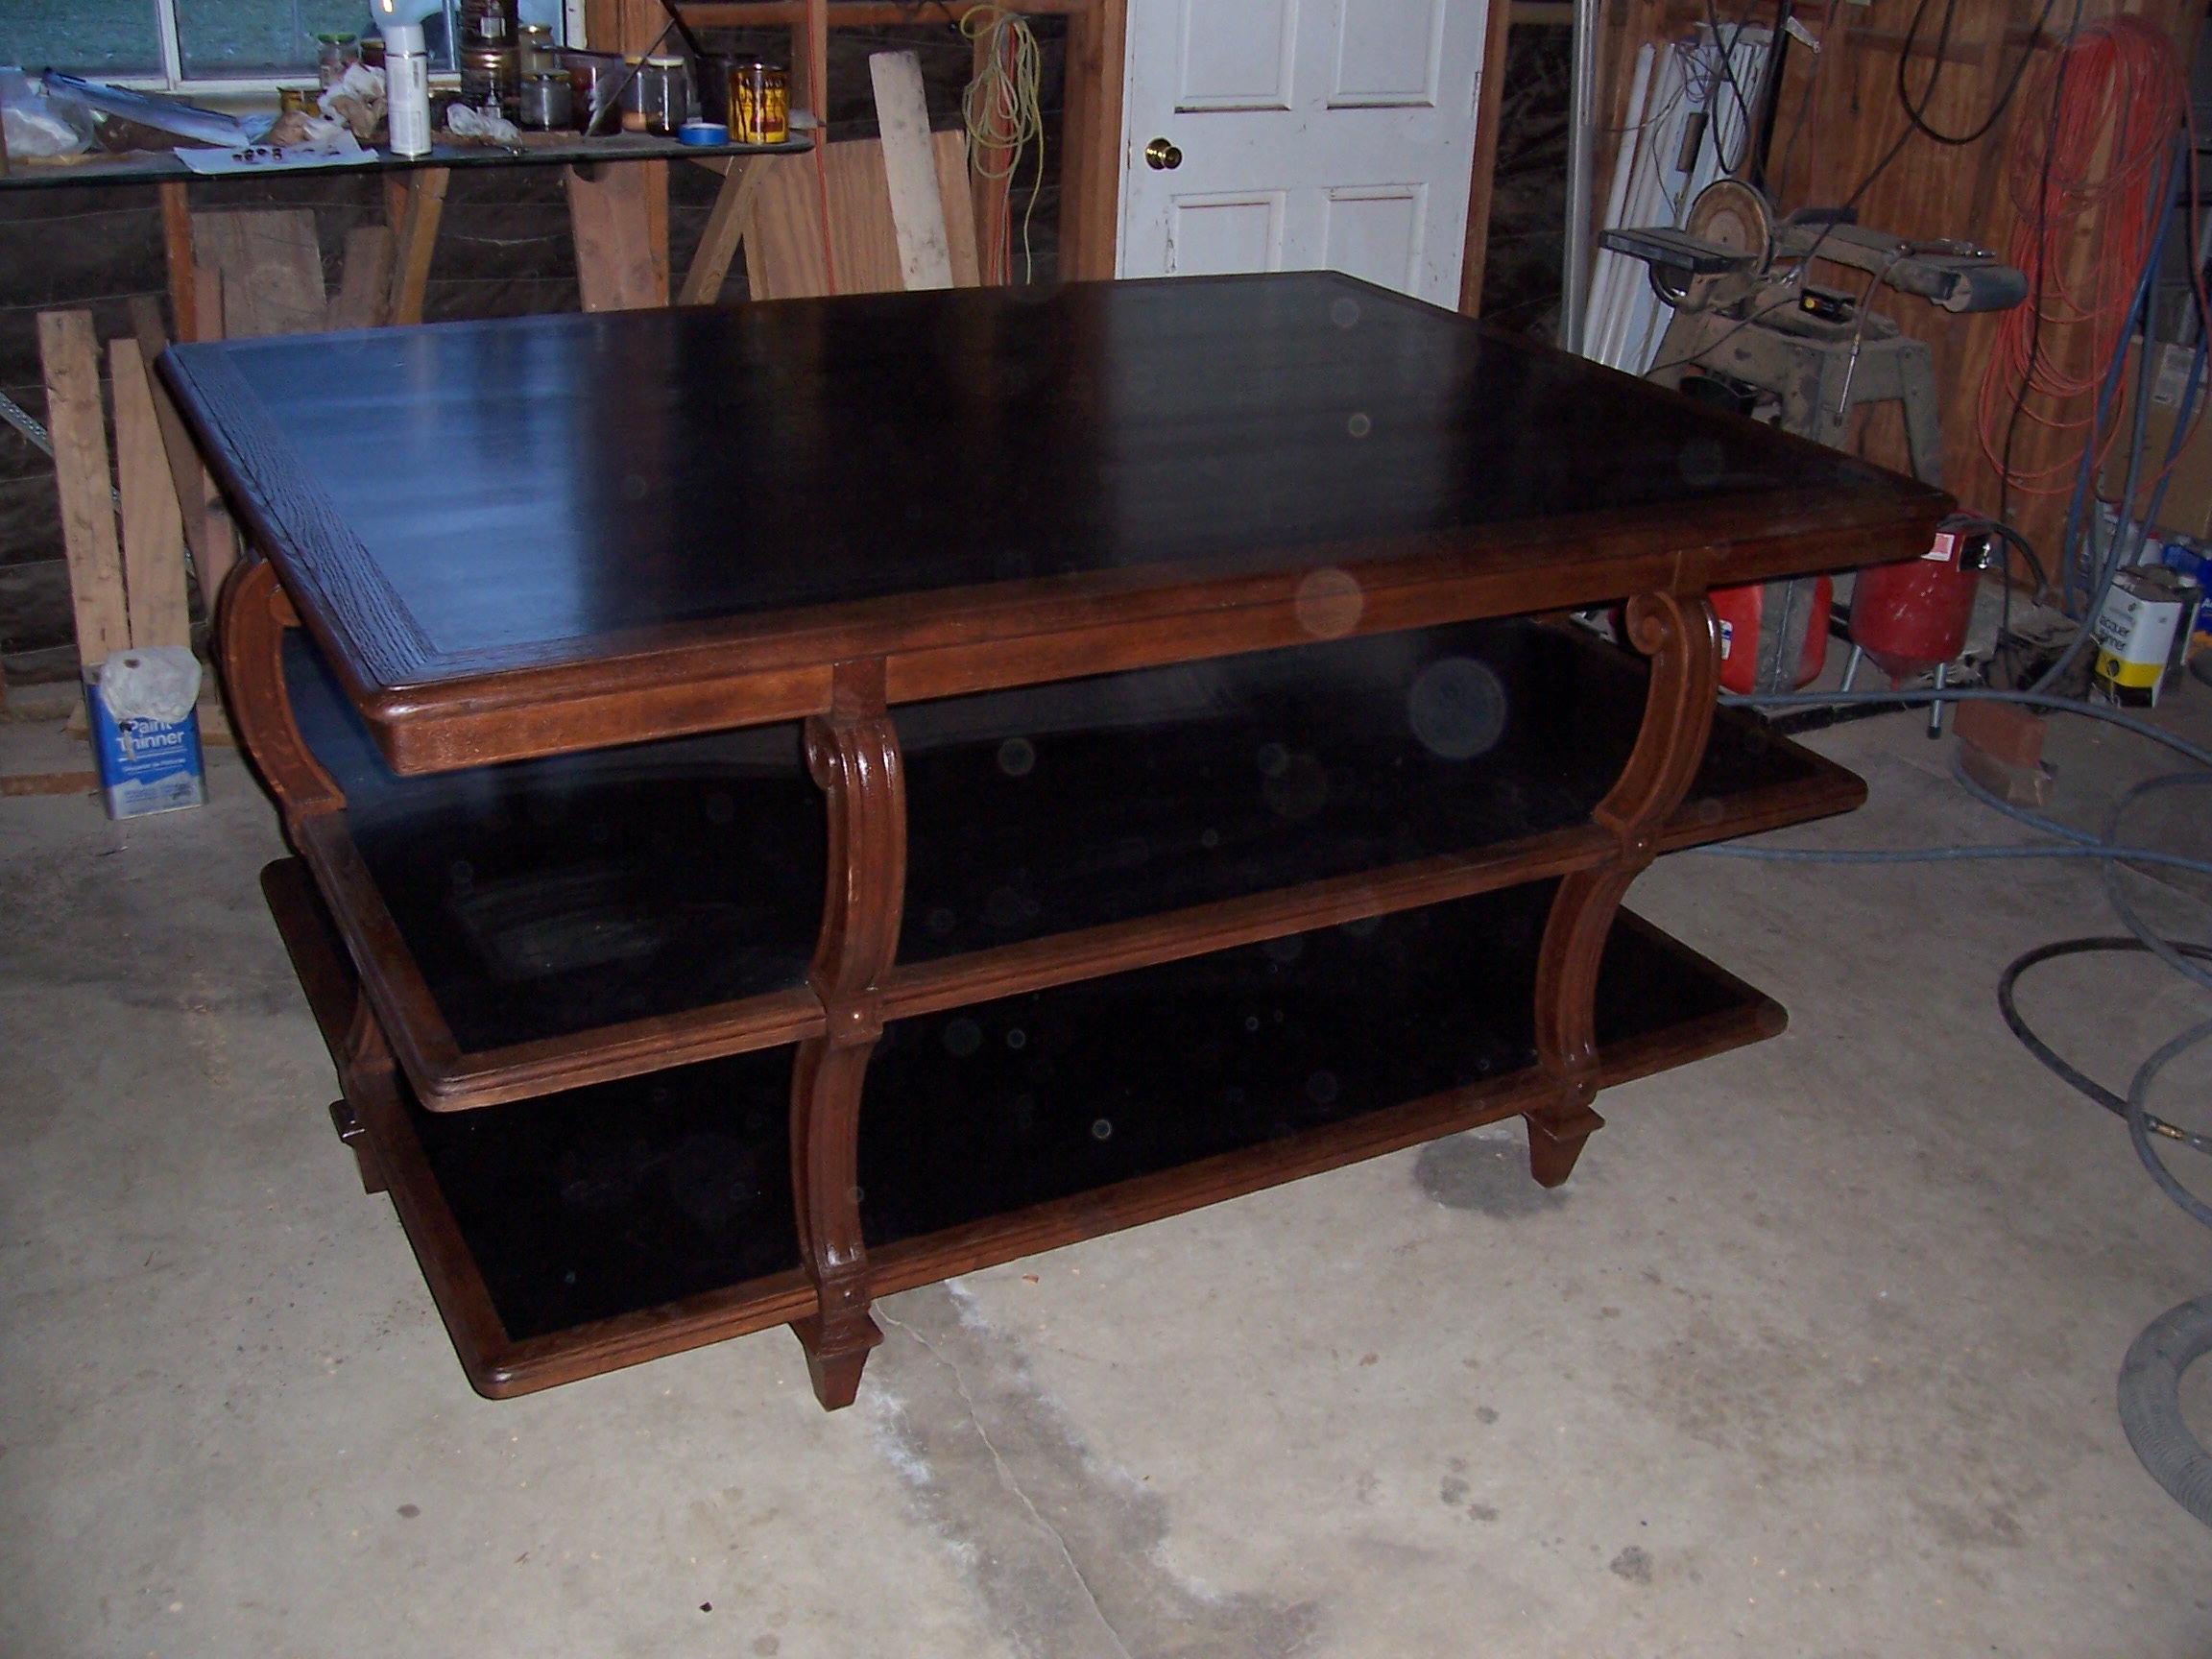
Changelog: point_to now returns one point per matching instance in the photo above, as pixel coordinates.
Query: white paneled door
(1291, 134)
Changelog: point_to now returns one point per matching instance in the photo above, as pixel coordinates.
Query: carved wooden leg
(854, 755)
(1680, 638)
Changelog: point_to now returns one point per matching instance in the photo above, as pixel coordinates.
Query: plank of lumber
(724, 229)
(207, 294)
(153, 527)
(184, 469)
(783, 242)
(615, 270)
(417, 241)
(365, 281)
(271, 267)
(910, 172)
(214, 560)
(71, 361)
(949, 159)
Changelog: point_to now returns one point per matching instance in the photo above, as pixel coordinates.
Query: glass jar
(335, 55)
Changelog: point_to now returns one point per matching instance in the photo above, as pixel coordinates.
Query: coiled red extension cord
(2111, 98)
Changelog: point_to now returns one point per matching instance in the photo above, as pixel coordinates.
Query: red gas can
(1911, 616)
(1742, 613)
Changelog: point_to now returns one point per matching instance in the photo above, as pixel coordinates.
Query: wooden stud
(653, 186)
(741, 177)
(153, 527)
(1489, 101)
(182, 262)
(990, 185)
(71, 361)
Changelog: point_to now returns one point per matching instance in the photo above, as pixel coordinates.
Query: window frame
(172, 77)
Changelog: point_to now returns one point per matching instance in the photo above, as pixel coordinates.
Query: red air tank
(1742, 611)
(1911, 617)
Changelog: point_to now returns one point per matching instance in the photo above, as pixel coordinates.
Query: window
(209, 44)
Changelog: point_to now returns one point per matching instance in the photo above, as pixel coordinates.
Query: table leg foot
(355, 1134)
(835, 1357)
(1556, 1140)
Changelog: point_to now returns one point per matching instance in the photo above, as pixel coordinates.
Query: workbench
(799, 800)
(613, 277)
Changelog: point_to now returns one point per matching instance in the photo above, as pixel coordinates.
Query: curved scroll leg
(854, 755)
(1684, 644)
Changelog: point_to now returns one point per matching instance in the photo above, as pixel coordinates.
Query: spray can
(406, 87)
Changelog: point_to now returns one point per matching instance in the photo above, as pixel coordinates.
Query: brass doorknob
(1162, 156)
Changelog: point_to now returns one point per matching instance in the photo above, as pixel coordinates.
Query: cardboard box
(144, 765)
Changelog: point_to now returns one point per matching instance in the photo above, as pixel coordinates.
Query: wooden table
(800, 800)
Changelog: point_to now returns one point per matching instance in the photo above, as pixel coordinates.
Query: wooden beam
(1092, 140)
(418, 240)
(653, 186)
(742, 177)
(153, 527)
(816, 29)
(1490, 99)
(990, 182)
(71, 361)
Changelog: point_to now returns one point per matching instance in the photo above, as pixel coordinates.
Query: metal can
(546, 103)
(759, 103)
(2134, 634)
(490, 81)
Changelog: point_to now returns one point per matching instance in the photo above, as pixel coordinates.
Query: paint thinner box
(145, 765)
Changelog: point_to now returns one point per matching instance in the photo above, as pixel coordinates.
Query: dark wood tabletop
(524, 536)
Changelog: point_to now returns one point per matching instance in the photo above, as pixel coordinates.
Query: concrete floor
(1814, 1357)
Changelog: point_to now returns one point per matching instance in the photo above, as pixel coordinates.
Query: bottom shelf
(576, 1233)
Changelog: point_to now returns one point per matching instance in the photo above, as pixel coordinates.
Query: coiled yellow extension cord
(1002, 115)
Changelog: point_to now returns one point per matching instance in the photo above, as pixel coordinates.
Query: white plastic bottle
(406, 87)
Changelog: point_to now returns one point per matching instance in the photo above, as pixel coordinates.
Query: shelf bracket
(1683, 641)
(852, 753)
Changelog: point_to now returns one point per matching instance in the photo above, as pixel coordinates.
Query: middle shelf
(543, 923)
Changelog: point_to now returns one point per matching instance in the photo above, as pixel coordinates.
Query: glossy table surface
(550, 510)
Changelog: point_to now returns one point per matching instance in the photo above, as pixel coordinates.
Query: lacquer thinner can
(759, 103)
